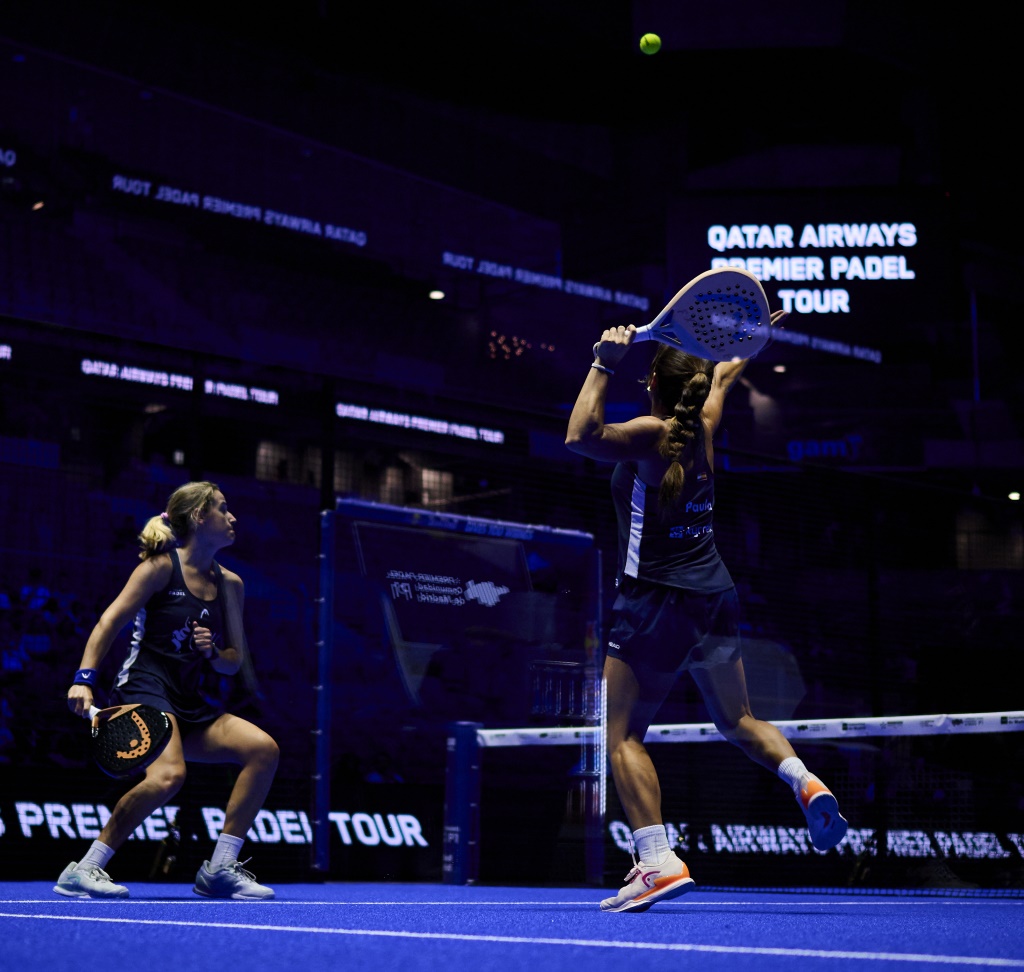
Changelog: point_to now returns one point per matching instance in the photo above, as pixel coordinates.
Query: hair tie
(164, 516)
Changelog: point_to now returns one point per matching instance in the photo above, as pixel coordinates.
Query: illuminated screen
(865, 275)
(439, 584)
(459, 618)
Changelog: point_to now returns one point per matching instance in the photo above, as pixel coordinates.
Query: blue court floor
(341, 926)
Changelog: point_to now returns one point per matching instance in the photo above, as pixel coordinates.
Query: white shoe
(88, 882)
(826, 824)
(230, 881)
(648, 883)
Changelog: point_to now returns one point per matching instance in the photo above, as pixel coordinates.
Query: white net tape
(908, 725)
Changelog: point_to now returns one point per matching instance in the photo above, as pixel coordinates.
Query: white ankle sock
(226, 851)
(651, 844)
(793, 771)
(98, 855)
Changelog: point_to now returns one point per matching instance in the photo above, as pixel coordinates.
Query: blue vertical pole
(322, 690)
(594, 749)
(460, 862)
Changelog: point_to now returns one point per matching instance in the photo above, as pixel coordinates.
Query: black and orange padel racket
(127, 738)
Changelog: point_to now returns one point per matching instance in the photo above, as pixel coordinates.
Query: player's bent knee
(731, 734)
(740, 733)
(167, 779)
(265, 753)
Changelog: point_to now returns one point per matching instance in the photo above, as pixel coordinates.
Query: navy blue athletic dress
(677, 606)
(163, 667)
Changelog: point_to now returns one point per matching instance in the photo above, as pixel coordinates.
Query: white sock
(98, 855)
(651, 844)
(226, 851)
(793, 771)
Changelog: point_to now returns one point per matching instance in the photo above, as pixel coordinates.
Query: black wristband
(85, 676)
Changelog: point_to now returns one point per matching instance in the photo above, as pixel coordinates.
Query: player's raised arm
(587, 433)
(727, 373)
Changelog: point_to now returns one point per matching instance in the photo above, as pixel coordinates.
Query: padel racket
(720, 315)
(127, 738)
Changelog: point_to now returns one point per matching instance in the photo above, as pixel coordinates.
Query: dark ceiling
(919, 98)
(799, 73)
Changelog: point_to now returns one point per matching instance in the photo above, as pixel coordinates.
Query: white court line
(574, 942)
(689, 904)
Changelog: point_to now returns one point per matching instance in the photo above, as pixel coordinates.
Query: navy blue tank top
(163, 658)
(679, 550)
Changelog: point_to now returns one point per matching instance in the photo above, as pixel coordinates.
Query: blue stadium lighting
(242, 393)
(164, 379)
(734, 838)
(190, 199)
(136, 375)
(546, 281)
(418, 423)
(786, 336)
(47, 821)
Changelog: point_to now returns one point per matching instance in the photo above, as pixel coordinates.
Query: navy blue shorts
(672, 630)
(145, 688)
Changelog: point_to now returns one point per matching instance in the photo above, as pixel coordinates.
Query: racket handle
(642, 334)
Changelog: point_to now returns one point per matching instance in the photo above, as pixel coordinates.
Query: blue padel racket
(127, 738)
(720, 315)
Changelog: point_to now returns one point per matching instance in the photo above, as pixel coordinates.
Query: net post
(321, 861)
(595, 749)
(594, 764)
(461, 854)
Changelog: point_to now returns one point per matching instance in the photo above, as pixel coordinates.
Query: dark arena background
(349, 265)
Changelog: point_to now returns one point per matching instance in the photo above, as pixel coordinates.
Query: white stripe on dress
(137, 636)
(636, 527)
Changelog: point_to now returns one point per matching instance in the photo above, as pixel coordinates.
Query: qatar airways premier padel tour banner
(860, 273)
(84, 821)
(43, 826)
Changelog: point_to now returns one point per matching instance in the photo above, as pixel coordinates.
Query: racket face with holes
(721, 314)
(127, 738)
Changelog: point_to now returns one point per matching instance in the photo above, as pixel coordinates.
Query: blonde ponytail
(171, 528)
(156, 537)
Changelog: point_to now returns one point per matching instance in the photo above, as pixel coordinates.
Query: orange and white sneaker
(649, 883)
(826, 824)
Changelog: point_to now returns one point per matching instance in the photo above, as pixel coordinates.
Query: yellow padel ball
(650, 43)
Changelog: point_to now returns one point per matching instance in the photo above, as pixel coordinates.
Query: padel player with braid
(188, 621)
(676, 609)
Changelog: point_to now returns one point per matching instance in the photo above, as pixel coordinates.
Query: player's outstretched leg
(827, 826)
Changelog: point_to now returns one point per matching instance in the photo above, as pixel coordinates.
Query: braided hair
(684, 383)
